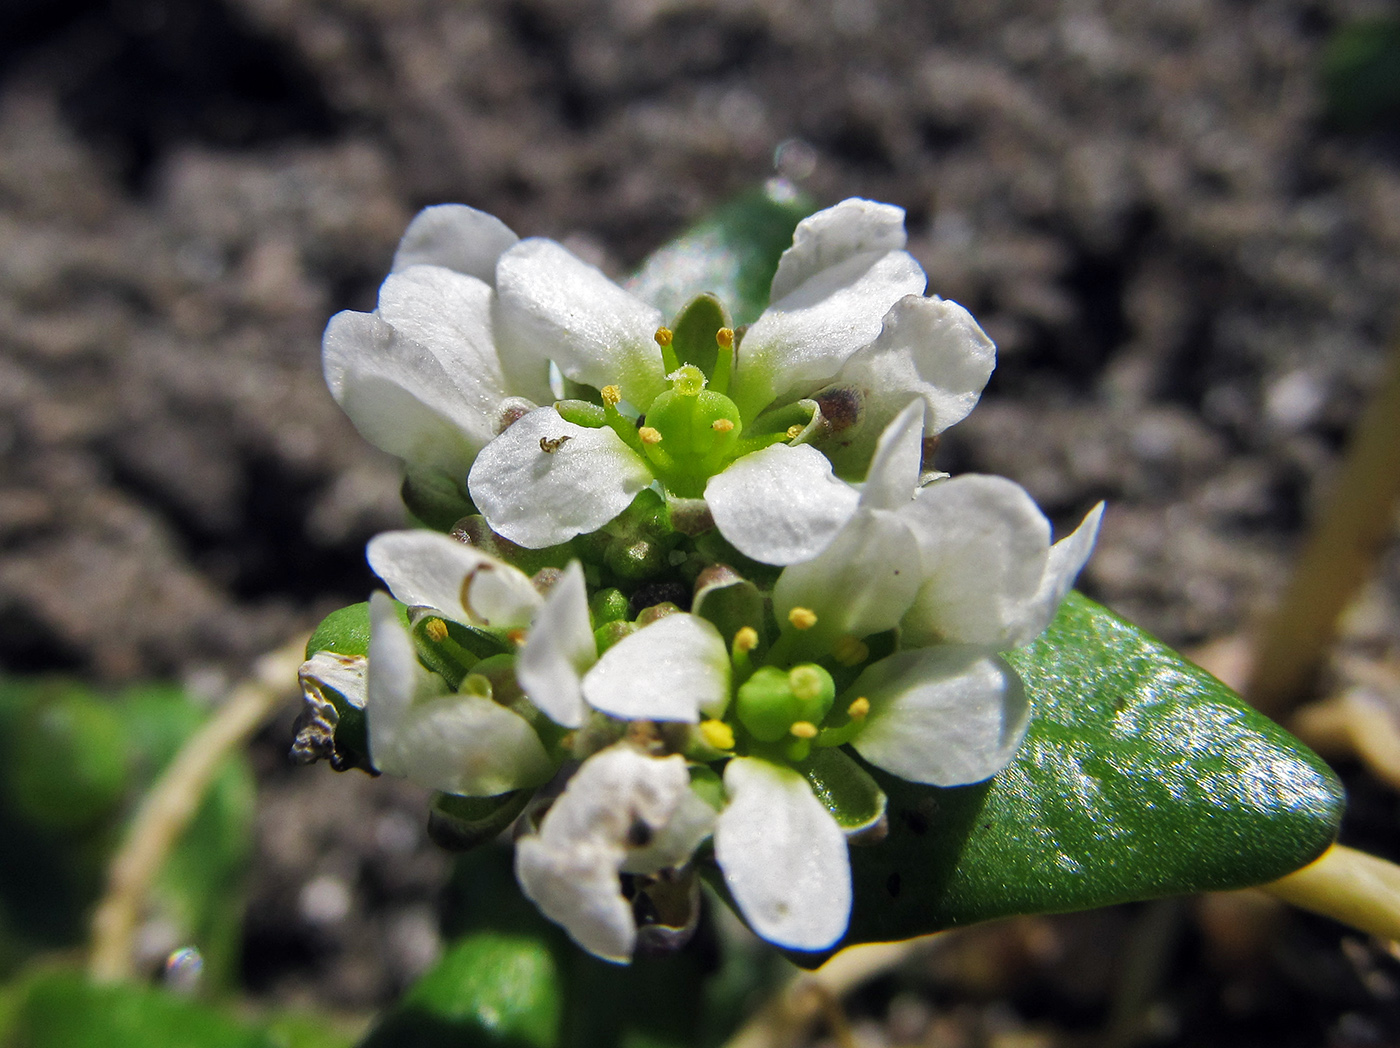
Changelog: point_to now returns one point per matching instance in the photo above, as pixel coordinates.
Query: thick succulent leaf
(732, 254)
(488, 991)
(1141, 776)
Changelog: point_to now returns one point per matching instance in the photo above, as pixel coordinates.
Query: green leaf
(64, 1010)
(1141, 776)
(489, 989)
(462, 823)
(1361, 73)
(61, 1008)
(733, 254)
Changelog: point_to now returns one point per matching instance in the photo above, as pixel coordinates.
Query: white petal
(570, 868)
(558, 650)
(458, 237)
(450, 315)
(539, 498)
(466, 744)
(428, 569)
(552, 306)
(783, 856)
(894, 470)
(399, 396)
(344, 673)
(672, 670)
(802, 340)
(578, 889)
(673, 845)
(929, 348)
(861, 584)
(781, 504)
(828, 238)
(1067, 558)
(984, 546)
(943, 716)
(394, 679)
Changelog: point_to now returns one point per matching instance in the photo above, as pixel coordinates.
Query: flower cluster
(703, 580)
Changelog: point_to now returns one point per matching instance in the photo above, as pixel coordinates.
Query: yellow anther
(436, 630)
(649, 435)
(745, 639)
(611, 395)
(859, 709)
(793, 432)
(516, 637)
(802, 618)
(805, 682)
(663, 336)
(849, 651)
(721, 425)
(725, 337)
(717, 734)
(804, 730)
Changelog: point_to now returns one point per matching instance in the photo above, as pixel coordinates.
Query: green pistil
(690, 433)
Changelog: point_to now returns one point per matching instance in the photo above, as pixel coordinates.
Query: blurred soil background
(1190, 270)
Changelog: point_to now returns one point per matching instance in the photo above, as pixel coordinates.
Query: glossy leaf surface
(1141, 776)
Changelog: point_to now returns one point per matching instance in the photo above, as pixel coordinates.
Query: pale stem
(786, 1018)
(171, 803)
(1349, 886)
(1338, 555)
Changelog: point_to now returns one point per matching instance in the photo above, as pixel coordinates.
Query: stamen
(745, 639)
(859, 710)
(725, 337)
(793, 432)
(649, 435)
(804, 730)
(436, 630)
(721, 425)
(516, 637)
(850, 651)
(611, 395)
(717, 734)
(802, 618)
(663, 336)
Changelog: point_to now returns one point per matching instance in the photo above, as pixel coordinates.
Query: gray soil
(1191, 280)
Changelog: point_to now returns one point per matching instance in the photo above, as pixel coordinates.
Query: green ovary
(691, 433)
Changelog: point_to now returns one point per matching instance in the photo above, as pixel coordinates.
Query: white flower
(674, 669)
(621, 812)
(420, 376)
(471, 319)
(963, 568)
(848, 334)
(456, 743)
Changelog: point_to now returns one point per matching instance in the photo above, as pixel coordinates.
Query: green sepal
(435, 500)
(733, 254)
(693, 333)
(1141, 776)
(457, 655)
(854, 799)
(462, 823)
(729, 601)
(609, 605)
(489, 990)
(476, 532)
(582, 413)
